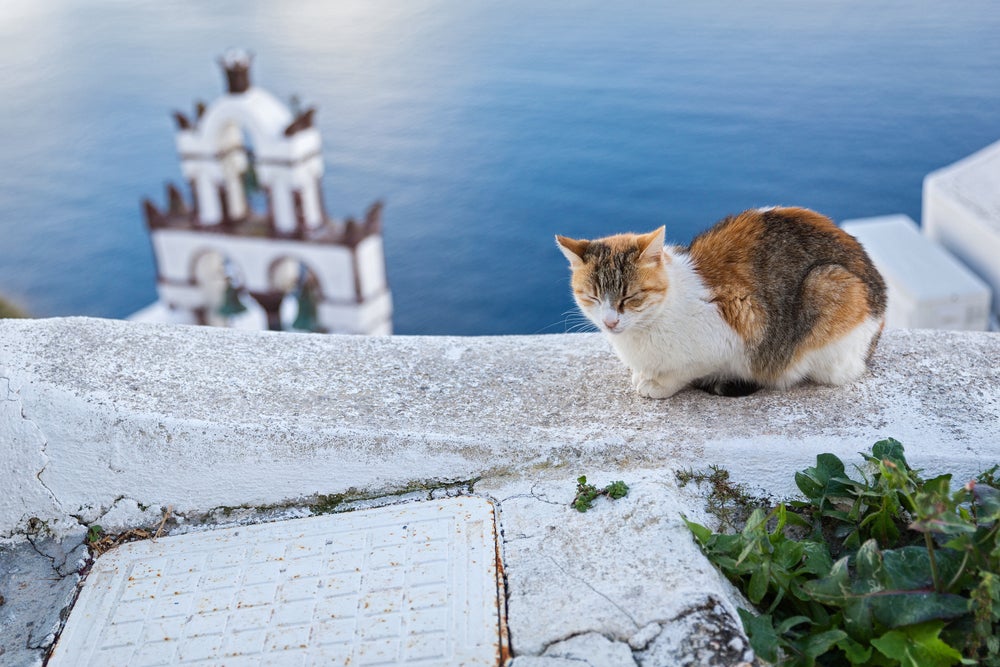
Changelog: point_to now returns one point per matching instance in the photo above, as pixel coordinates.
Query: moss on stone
(332, 502)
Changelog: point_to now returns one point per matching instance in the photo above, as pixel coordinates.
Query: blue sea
(486, 126)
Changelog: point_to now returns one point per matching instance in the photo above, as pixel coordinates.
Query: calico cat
(766, 298)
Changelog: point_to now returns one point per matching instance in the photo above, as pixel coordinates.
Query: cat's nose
(611, 322)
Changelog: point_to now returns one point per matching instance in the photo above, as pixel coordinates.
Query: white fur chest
(685, 337)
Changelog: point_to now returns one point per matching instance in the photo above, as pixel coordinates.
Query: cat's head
(618, 281)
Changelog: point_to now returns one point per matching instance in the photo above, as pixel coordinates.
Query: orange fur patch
(723, 259)
(845, 305)
(576, 246)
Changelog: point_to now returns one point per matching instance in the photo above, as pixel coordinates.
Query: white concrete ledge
(112, 422)
(99, 412)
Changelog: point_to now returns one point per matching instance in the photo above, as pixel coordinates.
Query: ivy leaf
(988, 501)
(816, 645)
(827, 478)
(909, 568)
(701, 533)
(788, 553)
(918, 646)
(816, 559)
(790, 623)
(855, 652)
(616, 490)
(890, 588)
(940, 485)
(889, 449)
(757, 588)
(882, 525)
(753, 534)
(879, 605)
(760, 632)
(836, 590)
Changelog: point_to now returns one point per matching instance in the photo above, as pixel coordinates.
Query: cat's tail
(731, 387)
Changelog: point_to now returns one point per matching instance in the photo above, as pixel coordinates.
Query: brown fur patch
(787, 280)
(874, 343)
(723, 256)
(844, 305)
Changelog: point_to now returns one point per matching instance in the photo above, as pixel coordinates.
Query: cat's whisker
(580, 322)
(550, 327)
(573, 321)
(582, 327)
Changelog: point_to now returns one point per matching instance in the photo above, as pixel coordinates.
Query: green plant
(916, 580)
(729, 502)
(94, 533)
(587, 493)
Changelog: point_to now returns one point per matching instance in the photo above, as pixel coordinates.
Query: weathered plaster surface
(115, 423)
(22, 450)
(97, 412)
(621, 584)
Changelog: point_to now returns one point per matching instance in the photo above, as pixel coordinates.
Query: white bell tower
(248, 148)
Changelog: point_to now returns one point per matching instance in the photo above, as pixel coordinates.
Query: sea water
(486, 127)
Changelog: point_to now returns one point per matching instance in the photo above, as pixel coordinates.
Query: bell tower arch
(248, 141)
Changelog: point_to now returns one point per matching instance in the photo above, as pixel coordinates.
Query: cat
(767, 298)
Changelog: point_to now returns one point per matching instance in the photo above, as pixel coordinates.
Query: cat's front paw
(649, 388)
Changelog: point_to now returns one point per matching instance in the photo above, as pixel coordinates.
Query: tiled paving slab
(411, 584)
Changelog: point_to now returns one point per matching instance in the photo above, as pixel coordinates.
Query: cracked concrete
(22, 448)
(705, 636)
(624, 571)
(178, 416)
(38, 583)
(620, 585)
(600, 588)
(590, 649)
(114, 422)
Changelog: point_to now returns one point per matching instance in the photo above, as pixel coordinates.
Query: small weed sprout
(729, 502)
(587, 493)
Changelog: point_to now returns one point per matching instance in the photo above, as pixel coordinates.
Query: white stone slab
(412, 584)
(961, 211)
(928, 287)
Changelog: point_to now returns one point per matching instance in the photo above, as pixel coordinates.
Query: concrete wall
(101, 418)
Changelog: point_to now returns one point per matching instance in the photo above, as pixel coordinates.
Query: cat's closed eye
(632, 300)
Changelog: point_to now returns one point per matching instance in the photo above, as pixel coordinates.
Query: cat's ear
(573, 249)
(652, 244)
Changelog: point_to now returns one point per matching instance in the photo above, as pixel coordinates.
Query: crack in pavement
(14, 395)
(591, 587)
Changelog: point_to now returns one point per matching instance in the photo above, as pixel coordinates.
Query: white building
(948, 277)
(255, 247)
(928, 287)
(961, 211)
